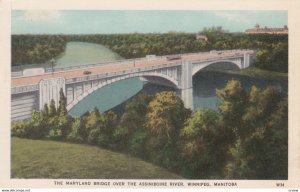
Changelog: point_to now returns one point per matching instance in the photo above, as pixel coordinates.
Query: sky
(131, 21)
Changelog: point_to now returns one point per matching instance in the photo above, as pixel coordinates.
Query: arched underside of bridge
(154, 78)
(159, 78)
(159, 81)
(226, 65)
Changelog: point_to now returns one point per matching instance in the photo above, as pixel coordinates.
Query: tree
(131, 133)
(202, 148)
(38, 126)
(237, 167)
(261, 151)
(58, 122)
(52, 110)
(63, 121)
(45, 111)
(63, 124)
(28, 49)
(274, 57)
(234, 101)
(92, 122)
(165, 118)
(261, 105)
(75, 135)
(276, 142)
(62, 108)
(166, 114)
(92, 119)
(100, 128)
(108, 125)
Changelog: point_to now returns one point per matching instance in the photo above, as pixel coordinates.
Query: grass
(256, 72)
(51, 159)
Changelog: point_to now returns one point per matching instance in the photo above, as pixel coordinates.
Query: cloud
(48, 16)
(232, 16)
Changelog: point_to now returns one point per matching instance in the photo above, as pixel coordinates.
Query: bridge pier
(187, 98)
(49, 89)
(247, 61)
(186, 84)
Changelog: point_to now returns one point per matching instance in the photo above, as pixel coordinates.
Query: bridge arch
(172, 82)
(220, 64)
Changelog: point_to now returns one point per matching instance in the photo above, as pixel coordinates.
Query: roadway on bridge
(31, 80)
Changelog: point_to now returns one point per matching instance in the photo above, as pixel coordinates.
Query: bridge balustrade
(17, 73)
(123, 72)
(126, 61)
(23, 89)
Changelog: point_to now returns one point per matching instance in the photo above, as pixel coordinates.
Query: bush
(120, 138)
(75, 134)
(137, 144)
(20, 129)
(38, 126)
(93, 136)
(55, 134)
(103, 140)
(75, 138)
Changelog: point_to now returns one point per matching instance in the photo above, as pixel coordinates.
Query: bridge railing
(134, 70)
(118, 73)
(126, 61)
(130, 61)
(24, 89)
(91, 65)
(17, 73)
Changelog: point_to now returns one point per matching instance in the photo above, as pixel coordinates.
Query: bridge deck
(22, 81)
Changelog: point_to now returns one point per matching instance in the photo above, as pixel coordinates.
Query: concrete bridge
(31, 91)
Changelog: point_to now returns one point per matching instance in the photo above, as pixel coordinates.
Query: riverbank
(255, 73)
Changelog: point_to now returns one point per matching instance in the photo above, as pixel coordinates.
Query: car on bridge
(87, 72)
(173, 57)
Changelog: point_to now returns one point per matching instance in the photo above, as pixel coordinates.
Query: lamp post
(134, 52)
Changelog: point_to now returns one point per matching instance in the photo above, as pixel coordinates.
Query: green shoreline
(255, 72)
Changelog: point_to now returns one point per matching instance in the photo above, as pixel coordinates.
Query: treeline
(140, 45)
(247, 138)
(36, 49)
(272, 54)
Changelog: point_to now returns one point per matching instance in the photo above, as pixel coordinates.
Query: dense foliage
(34, 49)
(272, 54)
(245, 139)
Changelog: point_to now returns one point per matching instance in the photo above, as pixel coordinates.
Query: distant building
(258, 29)
(201, 37)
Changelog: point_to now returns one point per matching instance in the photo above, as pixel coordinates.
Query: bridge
(31, 91)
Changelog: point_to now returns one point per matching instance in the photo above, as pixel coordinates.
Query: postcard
(144, 94)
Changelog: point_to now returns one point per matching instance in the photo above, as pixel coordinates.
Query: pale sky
(122, 21)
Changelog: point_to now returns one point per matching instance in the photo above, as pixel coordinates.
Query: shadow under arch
(225, 65)
(158, 79)
(206, 80)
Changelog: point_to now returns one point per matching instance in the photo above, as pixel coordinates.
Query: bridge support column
(187, 98)
(246, 60)
(49, 89)
(187, 85)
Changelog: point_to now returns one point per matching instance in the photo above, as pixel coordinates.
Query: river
(78, 53)
(114, 95)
